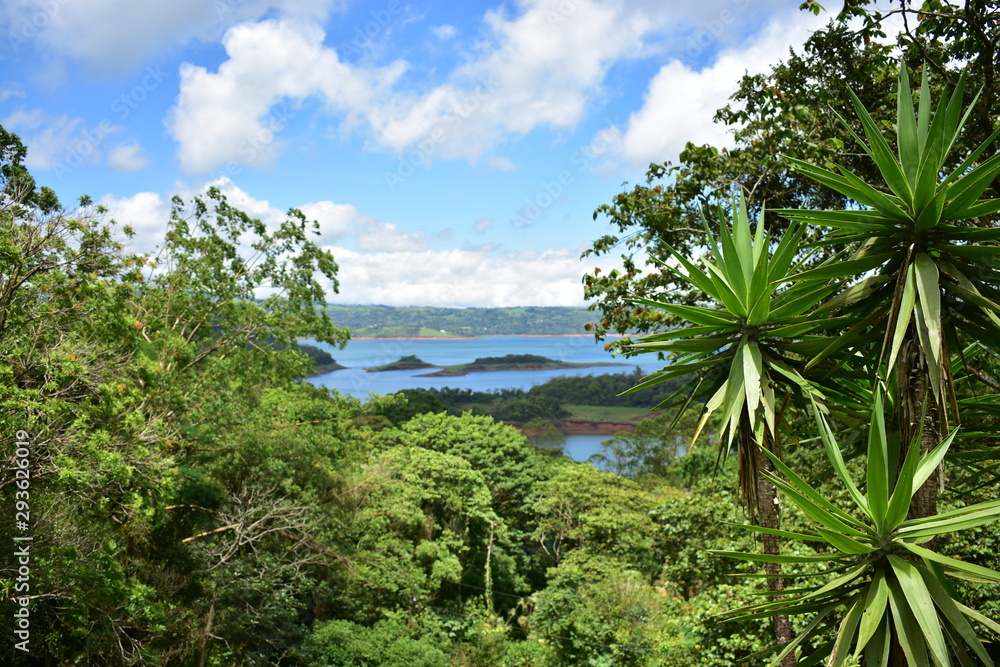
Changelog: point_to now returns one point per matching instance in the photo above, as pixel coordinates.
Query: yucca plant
(929, 250)
(747, 341)
(883, 582)
(745, 352)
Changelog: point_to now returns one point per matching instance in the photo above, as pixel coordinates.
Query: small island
(512, 362)
(324, 362)
(408, 363)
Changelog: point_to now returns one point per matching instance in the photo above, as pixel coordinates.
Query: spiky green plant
(882, 581)
(925, 234)
(749, 341)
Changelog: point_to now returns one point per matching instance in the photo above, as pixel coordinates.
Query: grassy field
(611, 414)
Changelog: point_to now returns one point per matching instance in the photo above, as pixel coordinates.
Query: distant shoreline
(471, 337)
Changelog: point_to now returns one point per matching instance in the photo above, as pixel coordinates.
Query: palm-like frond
(888, 583)
(746, 346)
(928, 234)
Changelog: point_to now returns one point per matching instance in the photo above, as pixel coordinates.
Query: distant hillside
(420, 321)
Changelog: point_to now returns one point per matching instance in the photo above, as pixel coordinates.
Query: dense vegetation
(323, 361)
(549, 401)
(191, 501)
(425, 321)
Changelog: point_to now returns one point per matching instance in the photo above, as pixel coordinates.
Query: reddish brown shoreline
(469, 337)
(577, 427)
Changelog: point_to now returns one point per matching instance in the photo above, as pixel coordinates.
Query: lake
(361, 353)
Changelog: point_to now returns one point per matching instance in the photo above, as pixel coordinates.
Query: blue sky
(453, 153)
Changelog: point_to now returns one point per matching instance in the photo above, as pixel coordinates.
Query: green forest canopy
(193, 502)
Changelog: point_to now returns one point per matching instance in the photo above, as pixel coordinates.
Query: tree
(744, 353)
(785, 113)
(899, 604)
(919, 237)
(928, 237)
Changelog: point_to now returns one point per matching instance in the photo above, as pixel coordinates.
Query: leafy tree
(785, 113)
(920, 240)
(744, 353)
(598, 611)
(387, 643)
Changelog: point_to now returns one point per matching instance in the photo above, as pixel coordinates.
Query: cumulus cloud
(390, 265)
(542, 63)
(231, 114)
(680, 102)
(127, 157)
(336, 221)
(147, 213)
(62, 143)
(479, 276)
(112, 36)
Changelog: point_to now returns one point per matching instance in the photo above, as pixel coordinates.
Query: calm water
(361, 354)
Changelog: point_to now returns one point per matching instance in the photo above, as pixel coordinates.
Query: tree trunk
(918, 405)
(767, 511)
(916, 400)
(207, 632)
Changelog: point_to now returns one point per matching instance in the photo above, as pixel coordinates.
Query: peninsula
(512, 362)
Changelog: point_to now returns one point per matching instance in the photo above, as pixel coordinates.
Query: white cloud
(61, 143)
(336, 221)
(387, 237)
(390, 265)
(680, 103)
(462, 277)
(543, 64)
(118, 35)
(482, 225)
(444, 32)
(230, 115)
(147, 213)
(127, 157)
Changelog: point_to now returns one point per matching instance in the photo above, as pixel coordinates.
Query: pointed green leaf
(899, 502)
(844, 269)
(965, 191)
(878, 465)
(751, 375)
(874, 614)
(911, 638)
(882, 154)
(930, 462)
(907, 137)
(929, 290)
(836, 458)
(904, 313)
(942, 598)
(956, 566)
(844, 543)
(845, 636)
(695, 314)
(922, 606)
